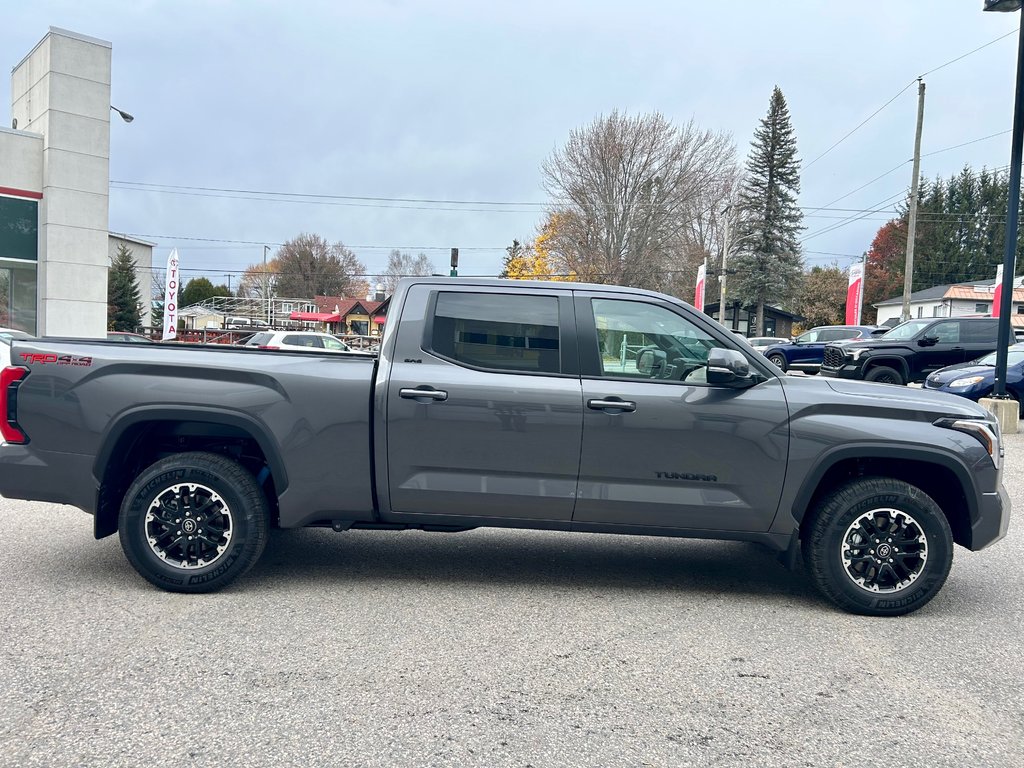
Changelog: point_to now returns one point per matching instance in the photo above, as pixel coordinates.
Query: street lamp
(1013, 206)
(124, 115)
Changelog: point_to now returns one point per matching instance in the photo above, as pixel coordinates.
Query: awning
(379, 319)
(316, 317)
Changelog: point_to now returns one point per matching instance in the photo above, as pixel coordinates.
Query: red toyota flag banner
(855, 294)
(997, 294)
(698, 298)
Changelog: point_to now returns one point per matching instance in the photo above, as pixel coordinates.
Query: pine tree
(123, 313)
(769, 266)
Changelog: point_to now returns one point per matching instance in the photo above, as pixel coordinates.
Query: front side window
(946, 333)
(808, 338)
(645, 341)
(334, 344)
(514, 333)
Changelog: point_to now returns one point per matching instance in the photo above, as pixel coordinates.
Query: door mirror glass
(651, 362)
(727, 367)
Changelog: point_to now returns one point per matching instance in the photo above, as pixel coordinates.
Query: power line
(902, 91)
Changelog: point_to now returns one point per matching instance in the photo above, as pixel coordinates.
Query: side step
(344, 525)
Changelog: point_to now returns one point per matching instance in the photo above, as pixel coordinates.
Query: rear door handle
(612, 404)
(423, 394)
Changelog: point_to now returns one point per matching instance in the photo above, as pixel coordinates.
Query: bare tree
(404, 265)
(259, 281)
(626, 189)
(309, 266)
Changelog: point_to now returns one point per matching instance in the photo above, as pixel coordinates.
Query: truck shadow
(489, 557)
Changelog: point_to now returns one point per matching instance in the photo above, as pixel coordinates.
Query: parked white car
(322, 342)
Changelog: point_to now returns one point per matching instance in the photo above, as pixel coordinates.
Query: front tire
(883, 374)
(878, 547)
(779, 361)
(193, 522)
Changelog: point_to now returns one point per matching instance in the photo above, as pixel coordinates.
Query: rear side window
(980, 331)
(258, 340)
(301, 340)
(487, 330)
(838, 334)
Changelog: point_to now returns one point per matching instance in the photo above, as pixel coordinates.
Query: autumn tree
(625, 188)
(884, 268)
(123, 298)
(536, 260)
(823, 296)
(308, 266)
(199, 290)
(259, 281)
(404, 265)
(769, 266)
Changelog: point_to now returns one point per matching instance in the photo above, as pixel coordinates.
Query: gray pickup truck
(511, 404)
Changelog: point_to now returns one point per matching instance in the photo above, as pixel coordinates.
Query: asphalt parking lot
(497, 648)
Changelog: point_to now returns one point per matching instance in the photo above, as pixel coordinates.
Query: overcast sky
(463, 101)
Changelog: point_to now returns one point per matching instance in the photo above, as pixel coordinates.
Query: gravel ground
(497, 648)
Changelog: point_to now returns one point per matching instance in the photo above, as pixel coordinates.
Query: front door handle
(423, 394)
(612, 404)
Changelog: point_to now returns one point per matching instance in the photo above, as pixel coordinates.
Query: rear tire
(779, 361)
(193, 522)
(883, 374)
(878, 547)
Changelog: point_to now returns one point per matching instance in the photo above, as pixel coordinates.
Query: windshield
(1013, 357)
(907, 330)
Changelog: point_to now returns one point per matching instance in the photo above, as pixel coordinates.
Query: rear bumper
(61, 478)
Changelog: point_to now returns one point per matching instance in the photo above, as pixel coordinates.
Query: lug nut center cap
(190, 526)
(884, 550)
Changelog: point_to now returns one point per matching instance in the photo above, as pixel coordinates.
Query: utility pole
(908, 273)
(722, 274)
(228, 276)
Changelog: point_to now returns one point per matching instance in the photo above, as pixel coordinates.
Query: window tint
(486, 330)
(301, 340)
(258, 340)
(838, 334)
(645, 341)
(946, 333)
(980, 331)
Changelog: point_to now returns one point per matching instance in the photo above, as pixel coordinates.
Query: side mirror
(928, 341)
(727, 367)
(651, 362)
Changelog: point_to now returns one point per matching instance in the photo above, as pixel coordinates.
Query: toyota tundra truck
(556, 406)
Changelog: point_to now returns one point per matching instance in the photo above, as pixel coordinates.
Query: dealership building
(55, 244)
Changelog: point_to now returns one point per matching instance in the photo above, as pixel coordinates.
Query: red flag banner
(855, 294)
(997, 293)
(698, 298)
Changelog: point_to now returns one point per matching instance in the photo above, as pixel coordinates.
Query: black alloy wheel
(193, 522)
(878, 546)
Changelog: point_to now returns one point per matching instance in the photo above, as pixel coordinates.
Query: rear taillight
(10, 380)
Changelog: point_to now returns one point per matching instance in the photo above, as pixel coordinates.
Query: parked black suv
(912, 350)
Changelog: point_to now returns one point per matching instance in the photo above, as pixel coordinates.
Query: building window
(286, 307)
(19, 232)
(982, 308)
(1020, 309)
(920, 311)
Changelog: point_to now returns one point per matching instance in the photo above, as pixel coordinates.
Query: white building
(956, 300)
(54, 185)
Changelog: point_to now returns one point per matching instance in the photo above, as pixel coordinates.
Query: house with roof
(954, 300)
(346, 315)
